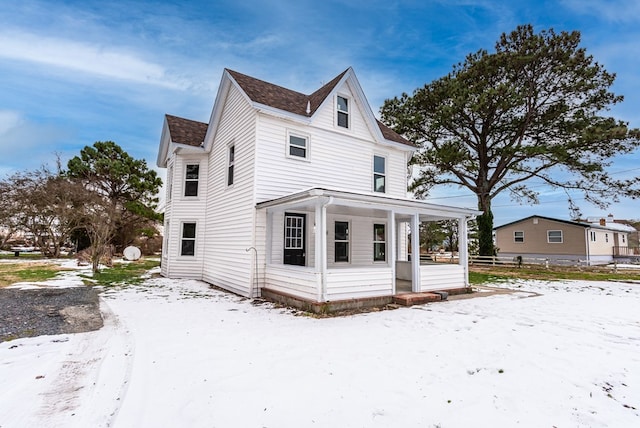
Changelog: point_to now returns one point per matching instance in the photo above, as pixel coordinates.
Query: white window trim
(348, 241)
(374, 173)
(307, 138)
(386, 256)
(184, 179)
(195, 240)
(169, 182)
(348, 112)
(561, 236)
(514, 236)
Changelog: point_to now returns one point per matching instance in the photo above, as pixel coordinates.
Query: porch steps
(410, 299)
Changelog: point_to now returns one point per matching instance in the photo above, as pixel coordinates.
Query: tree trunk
(485, 227)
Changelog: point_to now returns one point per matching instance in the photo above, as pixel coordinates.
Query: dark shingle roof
(186, 131)
(285, 99)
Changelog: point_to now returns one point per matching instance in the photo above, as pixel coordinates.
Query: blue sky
(75, 72)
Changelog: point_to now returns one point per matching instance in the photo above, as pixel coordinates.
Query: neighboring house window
(518, 236)
(231, 164)
(379, 175)
(341, 238)
(343, 112)
(188, 245)
(623, 238)
(298, 146)
(554, 236)
(606, 237)
(593, 236)
(379, 243)
(191, 180)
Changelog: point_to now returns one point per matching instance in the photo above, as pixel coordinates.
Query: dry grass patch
(10, 273)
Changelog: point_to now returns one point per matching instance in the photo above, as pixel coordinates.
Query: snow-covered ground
(179, 354)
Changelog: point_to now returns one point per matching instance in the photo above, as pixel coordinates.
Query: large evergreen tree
(533, 109)
(124, 183)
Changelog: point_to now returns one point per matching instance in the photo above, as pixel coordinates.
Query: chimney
(603, 222)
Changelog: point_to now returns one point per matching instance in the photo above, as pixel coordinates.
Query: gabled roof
(569, 222)
(298, 103)
(186, 131)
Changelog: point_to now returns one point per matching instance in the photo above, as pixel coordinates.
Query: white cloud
(609, 10)
(93, 59)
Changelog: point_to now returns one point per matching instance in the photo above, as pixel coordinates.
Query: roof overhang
(309, 198)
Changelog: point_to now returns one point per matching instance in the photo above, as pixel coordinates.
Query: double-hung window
(554, 236)
(379, 243)
(592, 235)
(231, 164)
(298, 146)
(188, 243)
(191, 179)
(341, 238)
(342, 112)
(379, 174)
(518, 236)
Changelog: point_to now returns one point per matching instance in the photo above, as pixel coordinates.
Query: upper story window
(379, 174)
(624, 239)
(592, 235)
(554, 236)
(606, 237)
(518, 236)
(298, 146)
(191, 179)
(188, 244)
(343, 112)
(230, 164)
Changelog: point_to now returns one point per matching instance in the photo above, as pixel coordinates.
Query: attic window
(343, 112)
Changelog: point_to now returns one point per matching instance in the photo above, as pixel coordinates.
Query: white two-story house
(296, 195)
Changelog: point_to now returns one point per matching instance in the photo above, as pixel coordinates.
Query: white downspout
(587, 232)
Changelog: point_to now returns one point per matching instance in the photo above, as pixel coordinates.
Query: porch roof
(310, 197)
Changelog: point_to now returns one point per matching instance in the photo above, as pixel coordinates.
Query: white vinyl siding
(339, 162)
(441, 277)
(230, 210)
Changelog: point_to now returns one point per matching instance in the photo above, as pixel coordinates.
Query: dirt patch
(46, 311)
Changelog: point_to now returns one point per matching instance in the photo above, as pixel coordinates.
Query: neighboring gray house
(302, 195)
(554, 239)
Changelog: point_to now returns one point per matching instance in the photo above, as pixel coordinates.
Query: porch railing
(626, 251)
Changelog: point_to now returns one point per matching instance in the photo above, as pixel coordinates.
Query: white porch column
(321, 248)
(391, 246)
(463, 248)
(415, 252)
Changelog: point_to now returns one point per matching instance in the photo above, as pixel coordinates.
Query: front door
(294, 239)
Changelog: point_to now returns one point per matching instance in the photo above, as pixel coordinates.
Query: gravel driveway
(45, 311)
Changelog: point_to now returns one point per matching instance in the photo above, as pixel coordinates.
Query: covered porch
(326, 245)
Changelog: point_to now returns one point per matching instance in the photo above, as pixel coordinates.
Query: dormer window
(343, 112)
(191, 180)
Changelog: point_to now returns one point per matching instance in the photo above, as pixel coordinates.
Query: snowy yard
(178, 354)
